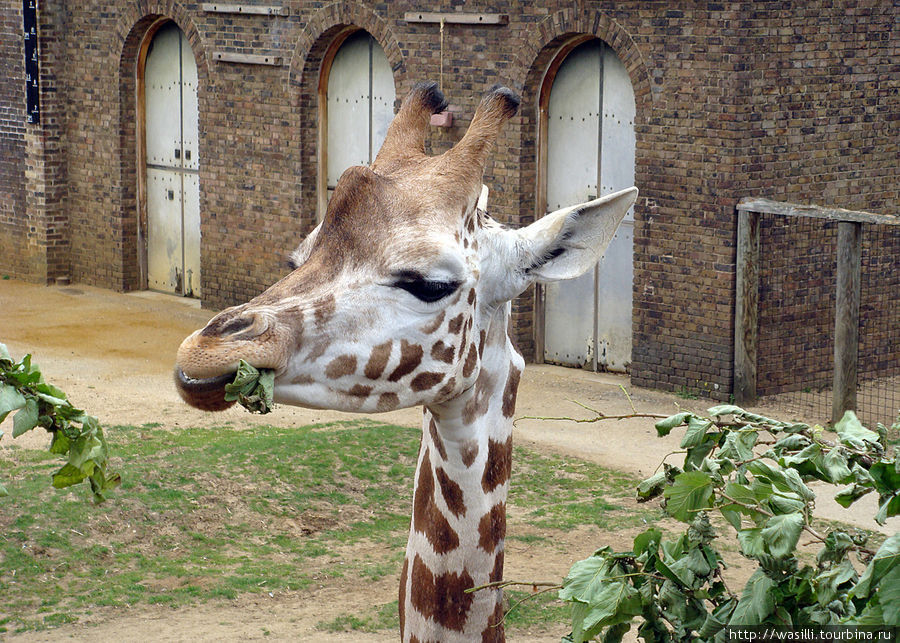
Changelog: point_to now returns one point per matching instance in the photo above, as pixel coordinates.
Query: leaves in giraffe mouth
(252, 388)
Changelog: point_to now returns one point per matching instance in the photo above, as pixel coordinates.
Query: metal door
(590, 152)
(173, 189)
(360, 104)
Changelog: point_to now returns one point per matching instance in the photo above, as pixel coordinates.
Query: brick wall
(12, 141)
(733, 99)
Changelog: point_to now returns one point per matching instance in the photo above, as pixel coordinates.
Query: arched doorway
(171, 160)
(356, 106)
(587, 112)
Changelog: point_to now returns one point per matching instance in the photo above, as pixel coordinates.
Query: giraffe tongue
(206, 394)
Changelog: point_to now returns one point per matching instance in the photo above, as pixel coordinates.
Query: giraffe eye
(427, 290)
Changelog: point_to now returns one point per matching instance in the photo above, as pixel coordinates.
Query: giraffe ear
(567, 243)
(299, 256)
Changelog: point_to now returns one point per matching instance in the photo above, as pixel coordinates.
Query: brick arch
(135, 23)
(321, 32)
(541, 44)
(542, 41)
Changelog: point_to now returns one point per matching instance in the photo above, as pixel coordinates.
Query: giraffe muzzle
(206, 394)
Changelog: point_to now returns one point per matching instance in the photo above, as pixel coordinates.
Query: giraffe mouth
(206, 394)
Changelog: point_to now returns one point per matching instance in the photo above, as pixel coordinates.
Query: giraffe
(401, 297)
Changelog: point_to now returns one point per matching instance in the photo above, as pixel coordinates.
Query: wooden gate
(172, 163)
(360, 105)
(590, 145)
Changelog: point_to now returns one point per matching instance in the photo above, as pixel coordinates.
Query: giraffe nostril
(236, 325)
(224, 325)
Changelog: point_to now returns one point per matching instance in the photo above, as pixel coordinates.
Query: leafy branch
(76, 435)
(752, 471)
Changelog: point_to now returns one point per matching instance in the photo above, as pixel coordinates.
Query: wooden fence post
(846, 318)
(746, 307)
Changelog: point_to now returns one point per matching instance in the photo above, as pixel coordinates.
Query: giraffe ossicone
(401, 297)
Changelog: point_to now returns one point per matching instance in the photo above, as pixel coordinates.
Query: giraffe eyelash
(426, 290)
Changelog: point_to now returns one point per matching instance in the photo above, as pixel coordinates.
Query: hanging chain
(441, 76)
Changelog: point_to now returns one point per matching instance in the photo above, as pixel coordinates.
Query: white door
(360, 105)
(590, 152)
(173, 188)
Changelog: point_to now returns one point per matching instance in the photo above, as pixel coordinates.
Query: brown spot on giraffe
(442, 352)
(480, 402)
(325, 310)
(359, 390)
(427, 518)
(435, 325)
(340, 366)
(378, 360)
(472, 297)
(452, 492)
(481, 338)
(402, 596)
(436, 439)
(468, 452)
(497, 573)
(471, 361)
(494, 633)
(410, 358)
(492, 528)
(425, 381)
(387, 402)
(455, 324)
(499, 464)
(317, 349)
(446, 389)
(442, 598)
(510, 391)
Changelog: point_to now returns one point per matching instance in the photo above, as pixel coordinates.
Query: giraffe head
(391, 296)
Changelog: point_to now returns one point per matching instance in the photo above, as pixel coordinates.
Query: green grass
(217, 513)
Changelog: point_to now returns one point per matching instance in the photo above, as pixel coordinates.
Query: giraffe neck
(456, 538)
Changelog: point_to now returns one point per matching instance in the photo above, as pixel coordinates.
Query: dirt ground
(114, 353)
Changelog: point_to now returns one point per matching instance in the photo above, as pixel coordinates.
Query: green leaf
(615, 602)
(835, 466)
(846, 497)
(695, 435)
(852, 433)
(886, 559)
(68, 476)
(756, 602)
(26, 418)
(584, 575)
(886, 477)
(889, 597)
(4, 354)
(725, 409)
(781, 533)
(890, 506)
(51, 392)
(739, 445)
(651, 487)
(792, 442)
(752, 543)
(689, 494)
(647, 541)
(663, 427)
(10, 400)
(827, 584)
(3, 491)
(60, 444)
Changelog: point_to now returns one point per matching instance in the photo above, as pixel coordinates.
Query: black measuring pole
(32, 68)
